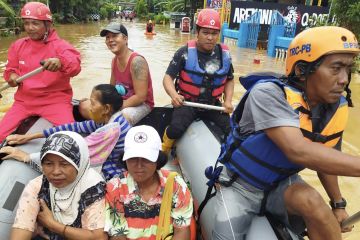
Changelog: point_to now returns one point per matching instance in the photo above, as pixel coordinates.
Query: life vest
(195, 84)
(255, 158)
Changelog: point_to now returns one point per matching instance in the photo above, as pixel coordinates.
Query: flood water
(158, 50)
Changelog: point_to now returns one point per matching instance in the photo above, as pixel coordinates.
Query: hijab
(68, 203)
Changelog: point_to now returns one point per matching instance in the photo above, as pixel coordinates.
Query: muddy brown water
(158, 50)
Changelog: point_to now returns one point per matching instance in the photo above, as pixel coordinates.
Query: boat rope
(227, 213)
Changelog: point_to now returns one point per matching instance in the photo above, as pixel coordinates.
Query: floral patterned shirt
(128, 215)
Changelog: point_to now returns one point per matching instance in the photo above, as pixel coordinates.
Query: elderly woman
(67, 201)
(136, 203)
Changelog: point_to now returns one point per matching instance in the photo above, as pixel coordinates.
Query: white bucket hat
(142, 141)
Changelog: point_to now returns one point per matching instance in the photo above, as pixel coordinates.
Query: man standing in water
(204, 74)
(282, 127)
(47, 94)
(149, 26)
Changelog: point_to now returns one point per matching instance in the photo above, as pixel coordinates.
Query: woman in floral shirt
(133, 201)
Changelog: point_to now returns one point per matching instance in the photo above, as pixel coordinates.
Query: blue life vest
(196, 84)
(255, 158)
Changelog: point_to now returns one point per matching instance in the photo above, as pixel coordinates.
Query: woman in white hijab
(67, 201)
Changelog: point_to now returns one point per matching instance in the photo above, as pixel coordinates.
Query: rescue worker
(49, 93)
(204, 74)
(149, 27)
(281, 127)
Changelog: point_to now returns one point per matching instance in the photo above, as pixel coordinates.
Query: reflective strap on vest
(163, 227)
(303, 110)
(331, 132)
(202, 74)
(318, 137)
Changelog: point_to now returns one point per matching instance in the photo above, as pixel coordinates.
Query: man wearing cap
(134, 201)
(203, 73)
(130, 70)
(49, 93)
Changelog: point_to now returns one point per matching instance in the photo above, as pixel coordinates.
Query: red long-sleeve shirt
(46, 87)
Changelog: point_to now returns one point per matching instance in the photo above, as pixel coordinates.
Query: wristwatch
(338, 205)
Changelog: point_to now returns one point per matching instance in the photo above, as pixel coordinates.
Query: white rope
(227, 213)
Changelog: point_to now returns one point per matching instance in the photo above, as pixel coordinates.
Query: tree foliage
(66, 10)
(75, 10)
(6, 7)
(171, 5)
(141, 8)
(348, 14)
(69, 10)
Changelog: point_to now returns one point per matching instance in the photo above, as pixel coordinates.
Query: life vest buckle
(318, 137)
(213, 174)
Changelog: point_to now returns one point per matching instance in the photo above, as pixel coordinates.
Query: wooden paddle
(160, 117)
(25, 76)
(351, 220)
(204, 106)
(19, 80)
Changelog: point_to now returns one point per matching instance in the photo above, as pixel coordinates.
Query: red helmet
(36, 10)
(208, 18)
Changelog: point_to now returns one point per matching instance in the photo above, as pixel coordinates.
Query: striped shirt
(128, 215)
(112, 167)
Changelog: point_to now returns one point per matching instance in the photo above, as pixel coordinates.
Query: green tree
(347, 13)
(7, 8)
(188, 6)
(107, 10)
(171, 5)
(141, 8)
(80, 10)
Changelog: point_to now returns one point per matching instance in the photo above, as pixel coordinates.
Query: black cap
(114, 28)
